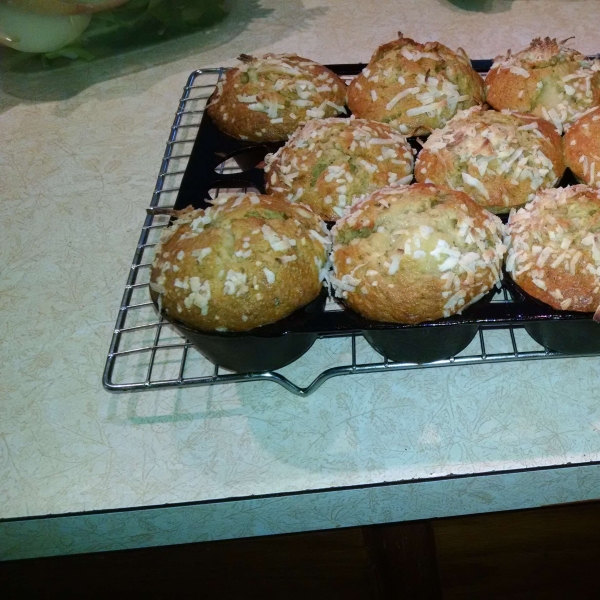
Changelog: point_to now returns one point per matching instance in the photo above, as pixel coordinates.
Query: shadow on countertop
(483, 6)
(65, 83)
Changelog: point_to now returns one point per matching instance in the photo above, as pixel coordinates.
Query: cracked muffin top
(415, 87)
(546, 79)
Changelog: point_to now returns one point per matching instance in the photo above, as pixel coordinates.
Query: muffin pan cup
(251, 354)
(561, 331)
(264, 348)
(422, 345)
(425, 342)
(273, 346)
(570, 337)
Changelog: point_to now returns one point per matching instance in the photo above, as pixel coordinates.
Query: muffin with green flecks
(546, 79)
(554, 248)
(268, 97)
(416, 253)
(415, 87)
(330, 164)
(246, 261)
(582, 147)
(499, 159)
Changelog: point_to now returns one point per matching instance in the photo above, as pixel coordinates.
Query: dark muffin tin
(263, 348)
(561, 331)
(273, 346)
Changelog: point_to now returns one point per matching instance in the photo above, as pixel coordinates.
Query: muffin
(554, 248)
(246, 261)
(499, 159)
(582, 147)
(414, 87)
(269, 96)
(547, 79)
(330, 164)
(416, 253)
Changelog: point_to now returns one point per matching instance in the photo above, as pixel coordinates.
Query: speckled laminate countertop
(80, 153)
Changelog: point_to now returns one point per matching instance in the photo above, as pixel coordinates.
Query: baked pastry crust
(554, 248)
(546, 79)
(416, 253)
(268, 97)
(415, 87)
(330, 164)
(246, 261)
(582, 147)
(499, 159)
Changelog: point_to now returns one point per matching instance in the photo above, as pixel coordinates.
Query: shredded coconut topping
(558, 230)
(571, 94)
(466, 258)
(324, 163)
(485, 148)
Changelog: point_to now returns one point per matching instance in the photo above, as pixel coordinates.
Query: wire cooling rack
(147, 353)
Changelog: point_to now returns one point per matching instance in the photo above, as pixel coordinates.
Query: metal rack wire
(146, 353)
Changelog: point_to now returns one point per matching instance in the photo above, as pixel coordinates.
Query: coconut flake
(402, 94)
(269, 275)
(395, 264)
(473, 182)
(519, 71)
(419, 110)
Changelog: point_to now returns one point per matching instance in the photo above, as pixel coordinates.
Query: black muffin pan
(263, 348)
(561, 331)
(276, 345)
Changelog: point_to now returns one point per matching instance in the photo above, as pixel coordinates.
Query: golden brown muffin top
(554, 248)
(416, 253)
(547, 79)
(582, 147)
(499, 159)
(415, 87)
(541, 53)
(330, 164)
(267, 97)
(246, 261)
